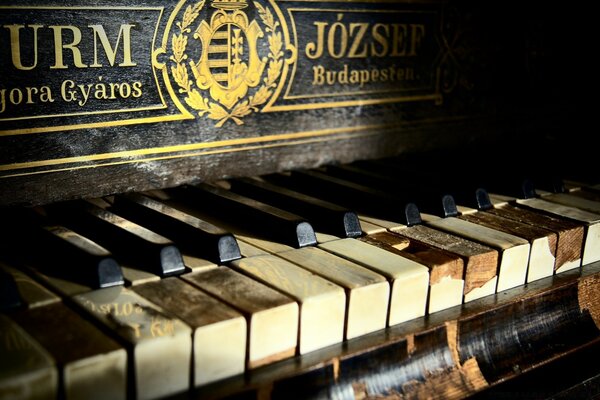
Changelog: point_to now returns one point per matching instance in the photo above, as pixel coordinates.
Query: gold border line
(189, 147)
(103, 124)
(199, 153)
(366, 102)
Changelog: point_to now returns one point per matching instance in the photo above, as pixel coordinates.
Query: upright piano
(210, 199)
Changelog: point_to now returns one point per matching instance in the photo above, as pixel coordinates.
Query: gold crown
(229, 4)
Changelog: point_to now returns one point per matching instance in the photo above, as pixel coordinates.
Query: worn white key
(322, 304)
(272, 317)
(160, 345)
(409, 280)
(219, 331)
(367, 292)
(27, 371)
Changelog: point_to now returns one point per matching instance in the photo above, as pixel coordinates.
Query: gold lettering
(137, 89)
(59, 46)
(379, 38)
(416, 35)
(314, 51)
(398, 40)
(110, 52)
(15, 46)
(343, 38)
(2, 100)
(358, 38)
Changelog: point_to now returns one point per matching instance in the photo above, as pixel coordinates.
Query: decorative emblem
(217, 64)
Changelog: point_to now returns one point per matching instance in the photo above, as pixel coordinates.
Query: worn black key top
(134, 244)
(371, 202)
(250, 214)
(195, 236)
(57, 251)
(324, 216)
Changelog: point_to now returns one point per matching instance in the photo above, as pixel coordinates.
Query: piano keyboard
(186, 290)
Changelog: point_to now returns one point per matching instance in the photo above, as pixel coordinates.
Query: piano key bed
(233, 294)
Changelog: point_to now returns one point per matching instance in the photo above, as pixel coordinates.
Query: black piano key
(132, 243)
(59, 252)
(323, 215)
(428, 195)
(195, 236)
(374, 202)
(10, 298)
(251, 215)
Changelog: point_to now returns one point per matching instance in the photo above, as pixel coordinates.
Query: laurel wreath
(201, 104)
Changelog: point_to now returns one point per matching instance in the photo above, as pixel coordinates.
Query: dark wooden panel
(130, 96)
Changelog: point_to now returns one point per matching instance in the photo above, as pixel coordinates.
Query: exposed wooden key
(367, 293)
(159, 346)
(409, 281)
(27, 371)
(514, 251)
(322, 304)
(572, 200)
(92, 365)
(543, 242)
(480, 261)
(569, 246)
(132, 243)
(272, 317)
(253, 215)
(219, 332)
(192, 234)
(591, 249)
(446, 271)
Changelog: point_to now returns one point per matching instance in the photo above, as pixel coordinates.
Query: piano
(225, 199)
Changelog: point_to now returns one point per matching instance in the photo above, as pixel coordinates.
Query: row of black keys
(150, 231)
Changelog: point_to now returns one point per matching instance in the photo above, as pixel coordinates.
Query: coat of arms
(216, 63)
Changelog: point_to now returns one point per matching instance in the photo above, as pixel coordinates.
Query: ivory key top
(367, 292)
(272, 317)
(27, 371)
(219, 336)
(160, 346)
(409, 281)
(322, 303)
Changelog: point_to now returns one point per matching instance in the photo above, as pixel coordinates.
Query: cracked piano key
(219, 331)
(543, 242)
(272, 317)
(159, 346)
(27, 371)
(446, 271)
(514, 251)
(591, 250)
(91, 365)
(252, 215)
(131, 243)
(569, 245)
(409, 281)
(367, 293)
(322, 303)
(480, 261)
(324, 216)
(193, 235)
